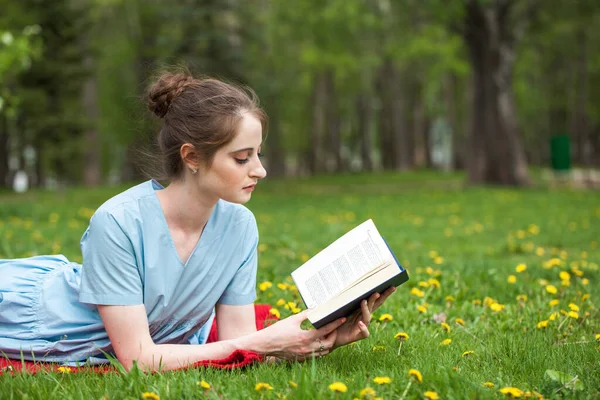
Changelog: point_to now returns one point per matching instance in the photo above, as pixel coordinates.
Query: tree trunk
(451, 114)
(276, 151)
(4, 153)
(394, 142)
(496, 155)
(92, 167)
(318, 99)
(366, 114)
(579, 127)
(332, 117)
(419, 131)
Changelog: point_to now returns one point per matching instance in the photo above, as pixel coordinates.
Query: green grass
(479, 234)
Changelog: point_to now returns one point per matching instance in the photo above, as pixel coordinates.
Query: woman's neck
(184, 207)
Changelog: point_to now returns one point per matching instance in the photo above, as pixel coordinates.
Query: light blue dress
(48, 305)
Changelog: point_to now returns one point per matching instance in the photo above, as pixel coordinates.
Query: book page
(340, 264)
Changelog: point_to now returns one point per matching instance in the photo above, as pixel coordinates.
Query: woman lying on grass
(160, 263)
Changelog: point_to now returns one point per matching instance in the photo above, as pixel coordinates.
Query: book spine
(355, 304)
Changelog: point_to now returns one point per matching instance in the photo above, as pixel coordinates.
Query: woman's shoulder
(126, 202)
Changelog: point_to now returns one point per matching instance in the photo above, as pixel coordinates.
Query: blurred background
(488, 87)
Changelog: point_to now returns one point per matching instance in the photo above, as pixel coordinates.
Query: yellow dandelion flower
(540, 251)
(431, 395)
(585, 297)
(460, 321)
(283, 286)
(512, 279)
(296, 310)
(497, 307)
(488, 384)
(367, 393)
(554, 302)
(520, 268)
(573, 314)
(150, 395)
(450, 298)
(598, 337)
(573, 307)
(304, 257)
(280, 302)
(417, 292)
(263, 286)
(522, 297)
(433, 254)
(260, 386)
(401, 336)
(64, 370)
(415, 374)
(551, 289)
(585, 281)
(564, 276)
(476, 302)
(466, 353)
(445, 342)
(424, 284)
(445, 326)
(438, 260)
(275, 312)
(422, 309)
(293, 384)
(378, 348)
(512, 392)
(553, 316)
(203, 384)
(386, 318)
(338, 387)
(434, 282)
(262, 247)
(382, 380)
(542, 324)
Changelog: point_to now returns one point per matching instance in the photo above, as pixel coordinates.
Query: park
(468, 131)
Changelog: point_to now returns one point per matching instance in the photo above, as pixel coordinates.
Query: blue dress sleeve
(242, 288)
(110, 274)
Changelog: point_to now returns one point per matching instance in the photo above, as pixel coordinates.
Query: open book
(338, 278)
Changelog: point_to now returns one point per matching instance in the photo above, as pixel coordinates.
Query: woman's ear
(190, 156)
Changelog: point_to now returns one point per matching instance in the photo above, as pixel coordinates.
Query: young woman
(160, 263)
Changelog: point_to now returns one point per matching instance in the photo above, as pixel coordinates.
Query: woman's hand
(356, 326)
(287, 340)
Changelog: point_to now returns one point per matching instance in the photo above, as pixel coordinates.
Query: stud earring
(193, 170)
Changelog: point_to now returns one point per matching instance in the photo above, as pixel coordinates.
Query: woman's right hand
(287, 340)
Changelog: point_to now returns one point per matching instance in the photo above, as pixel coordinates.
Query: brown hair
(205, 112)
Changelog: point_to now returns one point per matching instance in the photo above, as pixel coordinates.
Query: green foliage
(469, 240)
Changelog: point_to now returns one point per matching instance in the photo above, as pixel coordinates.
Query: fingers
(364, 329)
(372, 300)
(384, 297)
(327, 329)
(366, 312)
(301, 316)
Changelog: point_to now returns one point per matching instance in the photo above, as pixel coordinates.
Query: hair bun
(166, 89)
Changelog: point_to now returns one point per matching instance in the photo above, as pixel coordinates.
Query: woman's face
(236, 167)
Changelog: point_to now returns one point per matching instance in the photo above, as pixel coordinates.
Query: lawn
(504, 290)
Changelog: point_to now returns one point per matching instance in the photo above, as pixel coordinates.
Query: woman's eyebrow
(240, 150)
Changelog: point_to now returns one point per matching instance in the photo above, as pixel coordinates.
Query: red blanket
(237, 359)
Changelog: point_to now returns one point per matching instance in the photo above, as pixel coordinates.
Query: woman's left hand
(356, 326)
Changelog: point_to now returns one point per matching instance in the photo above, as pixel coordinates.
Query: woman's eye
(242, 160)
(260, 155)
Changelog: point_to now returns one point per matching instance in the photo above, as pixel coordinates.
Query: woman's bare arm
(127, 328)
(235, 321)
